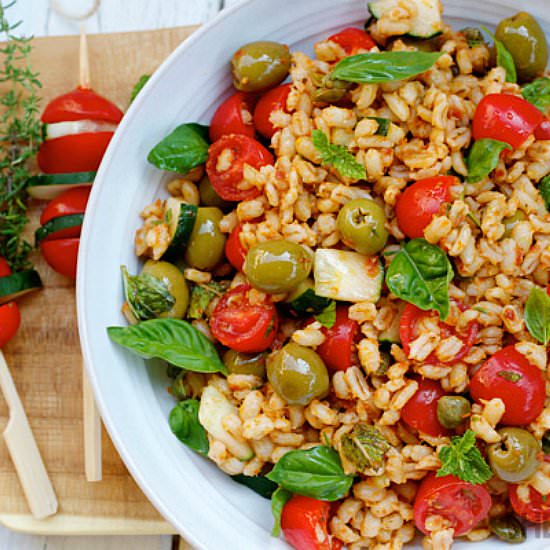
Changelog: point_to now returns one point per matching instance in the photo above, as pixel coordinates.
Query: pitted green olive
(452, 411)
(209, 197)
(175, 282)
(206, 245)
(244, 363)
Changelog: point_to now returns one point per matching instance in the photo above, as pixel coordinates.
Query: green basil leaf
(420, 273)
(143, 79)
(202, 295)
(544, 190)
(537, 315)
(379, 67)
(504, 58)
(173, 340)
(338, 156)
(278, 500)
(315, 473)
(483, 158)
(538, 93)
(185, 425)
(327, 317)
(259, 484)
(182, 150)
(383, 125)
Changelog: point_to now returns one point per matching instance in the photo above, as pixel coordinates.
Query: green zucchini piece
(48, 186)
(304, 301)
(62, 223)
(391, 334)
(180, 217)
(18, 284)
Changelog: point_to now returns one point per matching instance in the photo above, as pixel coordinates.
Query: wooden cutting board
(45, 356)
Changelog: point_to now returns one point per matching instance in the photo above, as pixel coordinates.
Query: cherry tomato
(233, 116)
(421, 201)
(408, 332)
(338, 349)
(244, 326)
(420, 411)
(244, 150)
(81, 104)
(509, 375)
(235, 252)
(74, 153)
(73, 201)
(463, 504)
(506, 118)
(5, 268)
(61, 255)
(352, 40)
(10, 319)
(536, 510)
(273, 100)
(542, 131)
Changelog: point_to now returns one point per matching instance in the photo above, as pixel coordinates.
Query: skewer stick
(84, 60)
(24, 451)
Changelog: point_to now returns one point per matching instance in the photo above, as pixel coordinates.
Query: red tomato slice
(75, 153)
(338, 350)
(73, 201)
(233, 116)
(542, 131)
(421, 201)
(460, 502)
(241, 325)
(5, 268)
(10, 319)
(408, 332)
(61, 255)
(235, 252)
(506, 118)
(81, 104)
(245, 150)
(273, 100)
(509, 375)
(536, 510)
(352, 40)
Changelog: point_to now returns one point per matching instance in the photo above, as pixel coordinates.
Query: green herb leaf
(538, 93)
(483, 158)
(259, 484)
(182, 150)
(463, 460)
(544, 190)
(278, 500)
(379, 67)
(185, 425)
(338, 156)
(327, 317)
(173, 340)
(364, 447)
(420, 273)
(383, 125)
(537, 315)
(510, 375)
(143, 79)
(504, 58)
(202, 295)
(315, 473)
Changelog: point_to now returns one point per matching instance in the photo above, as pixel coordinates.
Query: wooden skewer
(84, 61)
(24, 451)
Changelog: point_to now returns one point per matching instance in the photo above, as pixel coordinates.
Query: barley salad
(348, 281)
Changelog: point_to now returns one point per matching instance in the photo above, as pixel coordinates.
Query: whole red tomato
(10, 317)
(273, 100)
(235, 252)
(61, 255)
(352, 40)
(537, 509)
(72, 201)
(233, 116)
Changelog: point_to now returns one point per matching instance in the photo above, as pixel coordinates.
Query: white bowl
(209, 509)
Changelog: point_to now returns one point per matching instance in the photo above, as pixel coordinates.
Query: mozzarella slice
(72, 127)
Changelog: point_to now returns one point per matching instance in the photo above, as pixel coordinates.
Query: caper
(385, 363)
(260, 65)
(177, 389)
(206, 245)
(175, 282)
(508, 529)
(244, 363)
(330, 90)
(452, 411)
(209, 197)
(515, 457)
(511, 221)
(297, 374)
(277, 266)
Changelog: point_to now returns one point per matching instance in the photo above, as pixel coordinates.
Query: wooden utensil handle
(92, 432)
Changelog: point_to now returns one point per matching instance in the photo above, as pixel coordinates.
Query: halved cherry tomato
(509, 375)
(244, 150)
(420, 411)
(73, 201)
(412, 316)
(338, 349)
(536, 510)
(421, 201)
(61, 255)
(463, 504)
(542, 131)
(506, 118)
(352, 40)
(233, 116)
(10, 319)
(5, 268)
(244, 326)
(74, 153)
(235, 252)
(273, 100)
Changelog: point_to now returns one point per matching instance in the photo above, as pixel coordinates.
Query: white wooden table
(40, 18)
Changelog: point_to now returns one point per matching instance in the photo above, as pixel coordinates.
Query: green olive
(361, 223)
(515, 458)
(524, 38)
(176, 284)
(245, 363)
(511, 221)
(260, 65)
(297, 374)
(206, 244)
(452, 410)
(508, 529)
(329, 90)
(209, 197)
(178, 389)
(277, 266)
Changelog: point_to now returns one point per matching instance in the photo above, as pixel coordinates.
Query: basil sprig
(315, 473)
(420, 273)
(538, 93)
(173, 340)
(182, 150)
(185, 425)
(338, 156)
(143, 79)
(483, 158)
(259, 484)
(278, 500)
(537, 315)
(504, 58)
(544, 190)
(379, 67)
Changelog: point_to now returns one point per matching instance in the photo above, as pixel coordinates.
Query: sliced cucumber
(48, 186)
(69, 226)
(180, 217)
(304, 301)
(426, 23)
(391, 334)
(18, 284)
